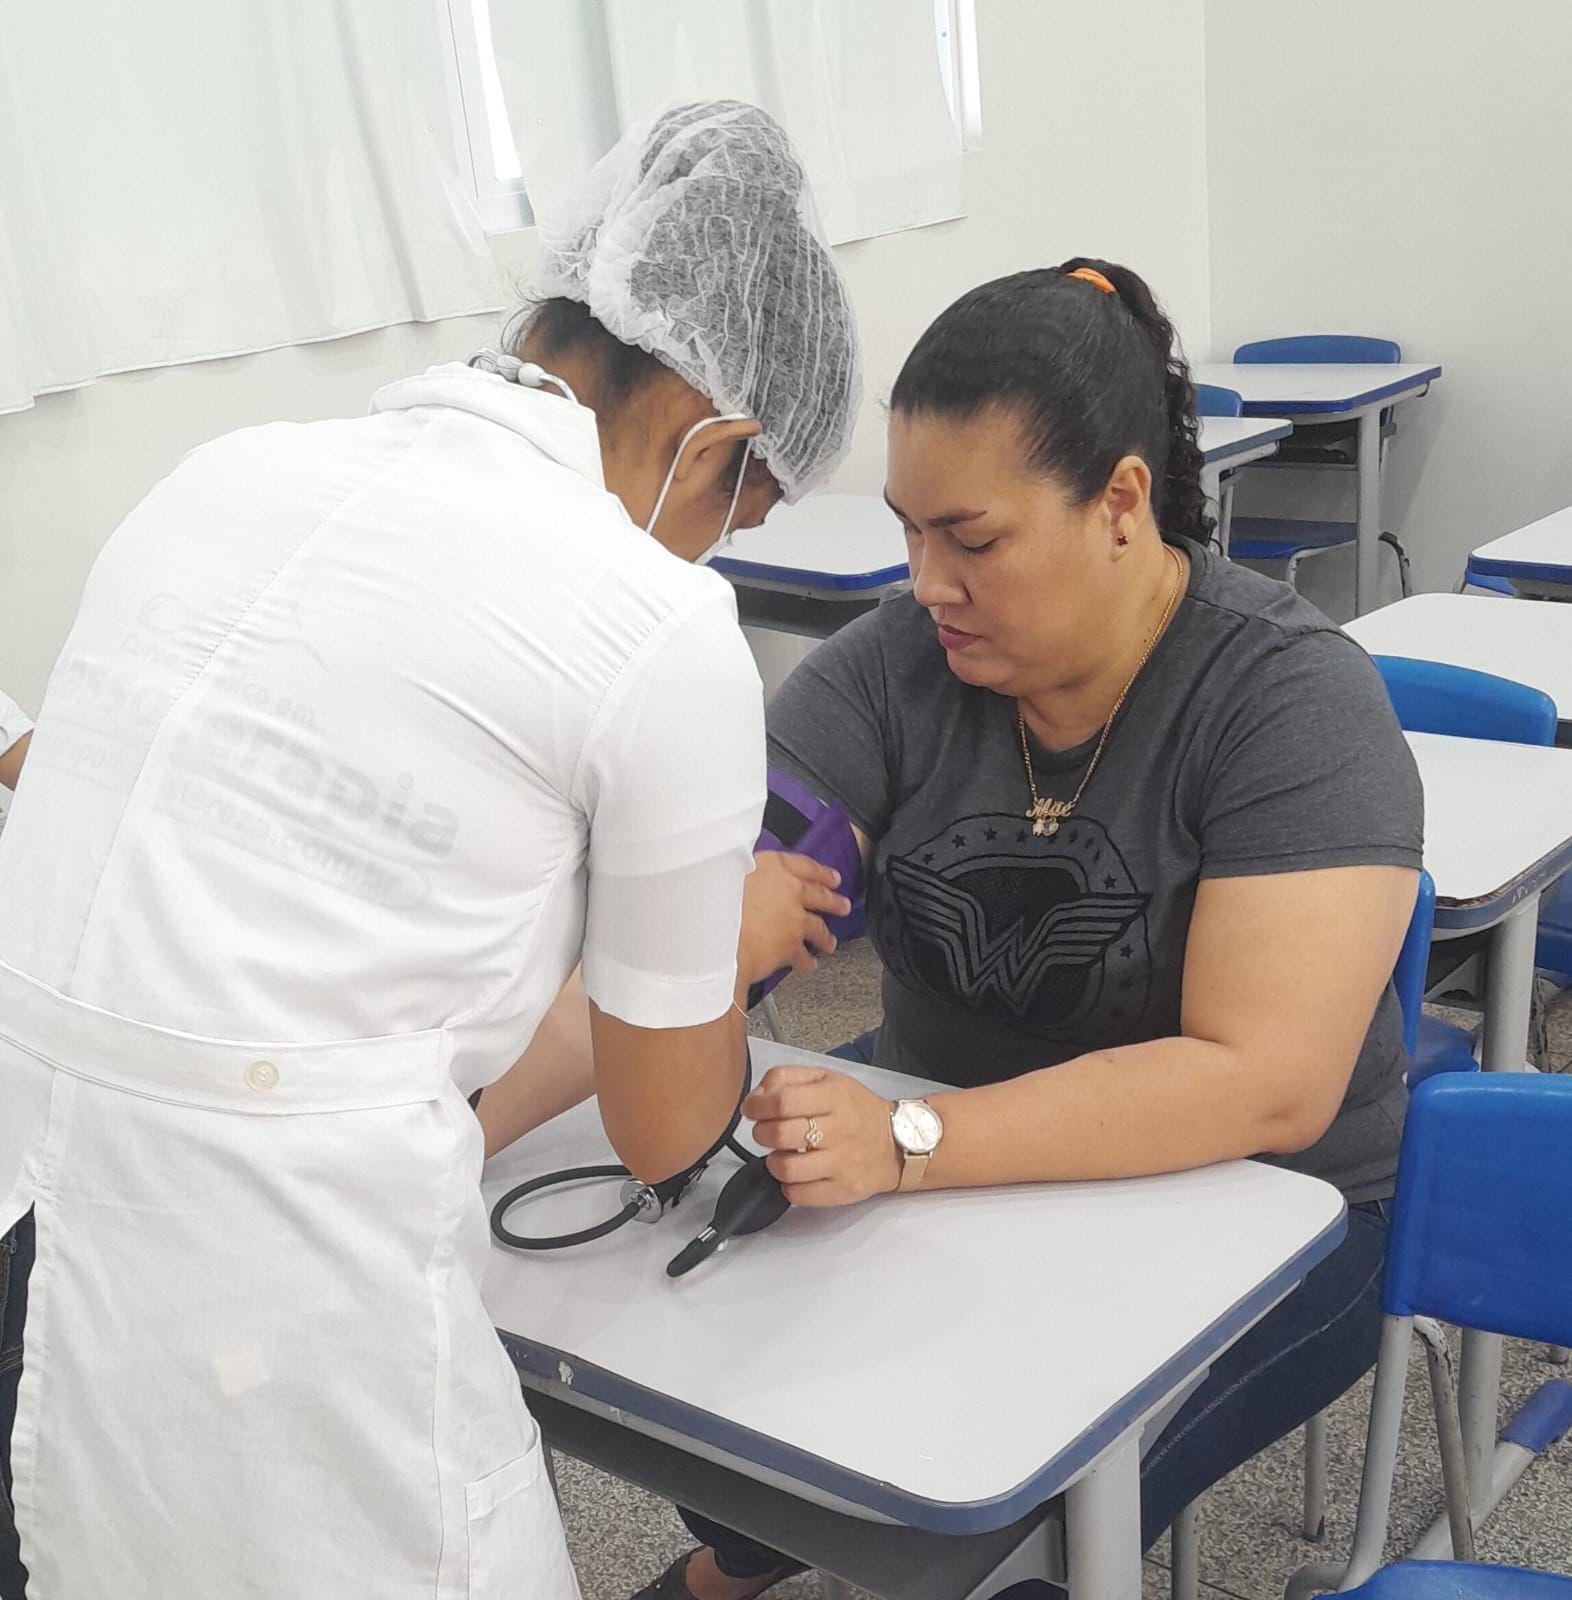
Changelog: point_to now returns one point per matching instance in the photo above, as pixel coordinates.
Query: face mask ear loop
(665, 488)
(731, 511)
(557, 383)
(529, 374)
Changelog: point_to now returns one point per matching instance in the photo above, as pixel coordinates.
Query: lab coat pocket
(516, 1547)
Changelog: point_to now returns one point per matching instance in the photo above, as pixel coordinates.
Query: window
(483, 122)
(499, 185)
(955, 22)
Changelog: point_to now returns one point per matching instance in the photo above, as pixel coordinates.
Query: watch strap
(913, 1168)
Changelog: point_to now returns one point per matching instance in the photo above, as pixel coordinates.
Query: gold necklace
(1046, 814)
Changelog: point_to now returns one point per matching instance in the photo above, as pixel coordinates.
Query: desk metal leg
(1509, 993)
(1184, 1536)
(1478, 1406)
(1103, 1511)
(1314, 1528)
(1220, 501)
(1367, 574)
(1509, 988)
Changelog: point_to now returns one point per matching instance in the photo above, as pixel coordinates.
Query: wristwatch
(917, 1131)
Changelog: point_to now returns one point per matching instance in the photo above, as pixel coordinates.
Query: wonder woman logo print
(1048, 930)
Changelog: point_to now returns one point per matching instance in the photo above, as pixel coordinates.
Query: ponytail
(1092, 376)
(1181, 501)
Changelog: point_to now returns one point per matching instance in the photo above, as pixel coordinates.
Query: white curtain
(180, 181)
(856, 83)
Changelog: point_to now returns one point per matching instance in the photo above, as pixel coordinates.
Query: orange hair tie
(1093, 276)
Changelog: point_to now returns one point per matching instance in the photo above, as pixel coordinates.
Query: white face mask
(736, 493)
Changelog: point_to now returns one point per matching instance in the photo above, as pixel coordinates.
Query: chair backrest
(1408, 976)
(1212, 400)
(1484, 1188)
(1436, 697)
(1319, 349)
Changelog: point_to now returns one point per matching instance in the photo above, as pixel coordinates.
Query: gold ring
(814, 1137)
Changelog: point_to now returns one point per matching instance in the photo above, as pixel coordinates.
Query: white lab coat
(365, 732)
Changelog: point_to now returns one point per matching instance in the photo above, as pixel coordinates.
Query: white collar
(552, 423)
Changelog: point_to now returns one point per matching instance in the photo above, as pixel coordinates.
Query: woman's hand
(784, 904)
(856, 1155)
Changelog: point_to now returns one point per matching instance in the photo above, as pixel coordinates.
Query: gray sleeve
(1312, 770)
(828, 725)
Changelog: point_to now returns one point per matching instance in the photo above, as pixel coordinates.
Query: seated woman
(1141, 835)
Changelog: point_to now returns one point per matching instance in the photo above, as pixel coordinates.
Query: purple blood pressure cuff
(796, 820)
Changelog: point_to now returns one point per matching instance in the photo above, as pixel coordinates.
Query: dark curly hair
(1092, 376)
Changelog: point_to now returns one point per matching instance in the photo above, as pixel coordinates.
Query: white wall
(1399, 167)
(1091, 145)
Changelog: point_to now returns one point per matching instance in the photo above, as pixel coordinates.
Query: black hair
(1090, 376)
(557, 326)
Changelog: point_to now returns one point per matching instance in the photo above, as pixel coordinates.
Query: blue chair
(1478, 1239)
(1212, 400)
(1298, 348)
(1433, 1045)
(1436, 697)
(1408, 979)
(1456, 1580)
(1431, 697)
(1331, 444)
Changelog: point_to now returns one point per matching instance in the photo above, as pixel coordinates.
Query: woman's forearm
(1161, 1106)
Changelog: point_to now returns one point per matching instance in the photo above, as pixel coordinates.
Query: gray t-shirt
(1258, 739)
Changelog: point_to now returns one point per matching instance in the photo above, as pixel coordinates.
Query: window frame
(502, 202)
(955, 33)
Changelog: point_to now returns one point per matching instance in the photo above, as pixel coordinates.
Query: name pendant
(1046, 815)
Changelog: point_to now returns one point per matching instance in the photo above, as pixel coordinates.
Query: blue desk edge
(806, 578)
(1466, 915)
(916, 1511)
(1307, 408)
(1505, 567)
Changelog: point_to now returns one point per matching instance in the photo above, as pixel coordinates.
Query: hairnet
(695, 239)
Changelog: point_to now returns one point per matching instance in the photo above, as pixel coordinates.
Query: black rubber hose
(560, 1241)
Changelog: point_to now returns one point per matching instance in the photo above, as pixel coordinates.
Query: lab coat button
(262, 1075)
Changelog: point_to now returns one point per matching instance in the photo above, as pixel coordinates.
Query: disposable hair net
(696, 239)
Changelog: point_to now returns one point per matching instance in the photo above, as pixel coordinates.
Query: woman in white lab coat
(367, 734)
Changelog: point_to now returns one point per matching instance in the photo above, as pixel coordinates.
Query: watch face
(917, 1127)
